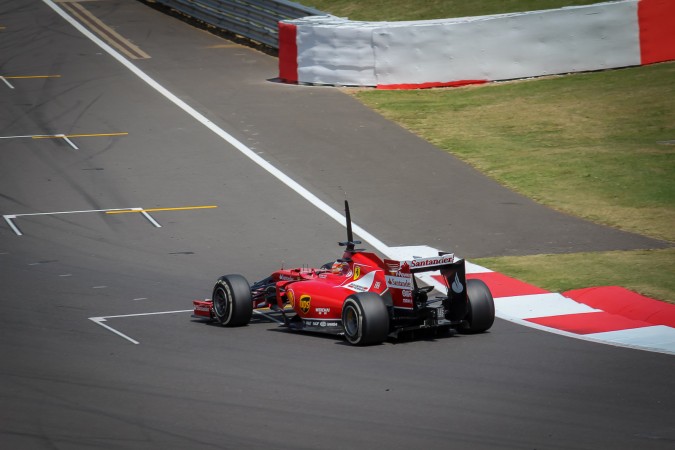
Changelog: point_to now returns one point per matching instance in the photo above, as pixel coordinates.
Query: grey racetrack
(68, 382)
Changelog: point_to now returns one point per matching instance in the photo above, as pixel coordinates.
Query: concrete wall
(399, 55)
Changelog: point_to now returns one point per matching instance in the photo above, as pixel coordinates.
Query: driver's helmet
(339, 267)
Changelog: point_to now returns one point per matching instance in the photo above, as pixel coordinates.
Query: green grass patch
(593, 145)
(394, 10)
(647, 272)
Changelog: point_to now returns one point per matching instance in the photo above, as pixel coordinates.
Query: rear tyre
(481, 313)
(232, 303)
(365, 319)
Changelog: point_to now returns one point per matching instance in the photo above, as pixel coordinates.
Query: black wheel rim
(220, 303)
(351, 321)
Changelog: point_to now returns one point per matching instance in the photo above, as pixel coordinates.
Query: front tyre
(232, 302)
(481, 313)
(365, 319)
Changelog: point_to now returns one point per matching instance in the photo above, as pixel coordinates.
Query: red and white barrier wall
(400, 55)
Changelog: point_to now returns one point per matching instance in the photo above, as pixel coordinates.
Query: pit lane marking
(23, 77)
(52, 136)
(100, 320)
(9, 218)
(66, 137)
(181, 208)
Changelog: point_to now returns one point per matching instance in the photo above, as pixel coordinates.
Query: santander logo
(433, 261)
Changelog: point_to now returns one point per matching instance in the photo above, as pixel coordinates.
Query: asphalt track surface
(68, 383)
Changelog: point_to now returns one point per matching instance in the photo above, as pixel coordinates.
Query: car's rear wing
(453, 273)
(440, 262)
(452, 270)
(400, 278)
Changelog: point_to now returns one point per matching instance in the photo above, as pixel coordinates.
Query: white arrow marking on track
(100, 320)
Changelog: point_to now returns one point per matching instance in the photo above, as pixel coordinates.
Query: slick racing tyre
(481, 313)
(365, 319)
(232, 303)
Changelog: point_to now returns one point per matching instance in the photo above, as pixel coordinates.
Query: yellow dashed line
(182, 208)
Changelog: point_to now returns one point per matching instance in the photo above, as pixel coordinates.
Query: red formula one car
(360, 296)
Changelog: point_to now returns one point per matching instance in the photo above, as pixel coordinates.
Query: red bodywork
(317, 295)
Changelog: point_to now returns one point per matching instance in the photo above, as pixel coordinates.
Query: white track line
(9, 218)
(65, 138)
(150, 219)
(100, 320)
(6, 82)
(10, 221)
(288, 181)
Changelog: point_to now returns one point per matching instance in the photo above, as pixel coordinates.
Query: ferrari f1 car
(360, 296)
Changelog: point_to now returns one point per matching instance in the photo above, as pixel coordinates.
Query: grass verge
(595, 145)
(393, 10)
